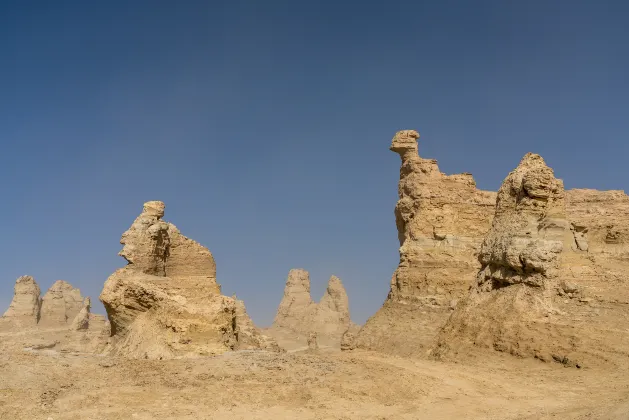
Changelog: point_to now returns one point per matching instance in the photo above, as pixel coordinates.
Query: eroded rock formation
(26, 304)
(549, 279)
(60, 305)
(532, 295)
(166, 302)
(298, 315)
(61, 320)
(441, 220)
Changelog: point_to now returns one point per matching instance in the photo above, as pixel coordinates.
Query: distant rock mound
(532, 294)
(298, 316)
(60, 305)
(166, 302)
(62, 317)
(441, 221)
(25, 306)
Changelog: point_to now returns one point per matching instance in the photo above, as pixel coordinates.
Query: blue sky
(265, 126)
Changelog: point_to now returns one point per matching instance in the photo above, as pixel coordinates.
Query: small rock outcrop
(166, 302)
(313, 343)
(441, 221)
(298, 315)
(60, 305)
(82, 319)
(25, 307)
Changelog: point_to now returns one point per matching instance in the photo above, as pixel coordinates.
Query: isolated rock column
(26, 303)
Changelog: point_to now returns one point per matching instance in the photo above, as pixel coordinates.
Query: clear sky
(265, 125)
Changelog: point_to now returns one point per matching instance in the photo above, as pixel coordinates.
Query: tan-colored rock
(82, 319)
(332, 314)
(60, 305)
(441, 221)
(298, 315)
(296, 308)
(248, 336)
(531, 262)
(25, 306)
(166, 302)
(313, 343)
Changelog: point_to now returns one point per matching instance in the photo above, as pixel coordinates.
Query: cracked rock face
(166, 302)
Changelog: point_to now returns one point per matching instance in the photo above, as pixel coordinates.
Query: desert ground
(323, 384)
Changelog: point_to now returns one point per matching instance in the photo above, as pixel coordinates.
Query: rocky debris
(25, 307)
(60, 305)
(166, 302)
(300, 315)
(349, 337)
(313, 344)
(528, 262)
(441, 221)
(347, 341)
(42, 345)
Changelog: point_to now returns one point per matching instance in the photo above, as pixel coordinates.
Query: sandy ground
(46, 384)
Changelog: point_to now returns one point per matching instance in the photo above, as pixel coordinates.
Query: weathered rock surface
(166, 302)
(572, 245)
(298, 315)
(248, 335)
(82, 320)
(441, 221)
(60, 305)
(297, 307)
(25, 307)
(60, 318)
(529, 296)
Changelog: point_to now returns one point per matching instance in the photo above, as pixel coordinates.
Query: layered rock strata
(544, 289)
(441, 220)
(166, 302)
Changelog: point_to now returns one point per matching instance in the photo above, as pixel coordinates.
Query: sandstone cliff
(546, 287)
(298, 315)
(441, 220)
(166, 302)
(555, 263)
